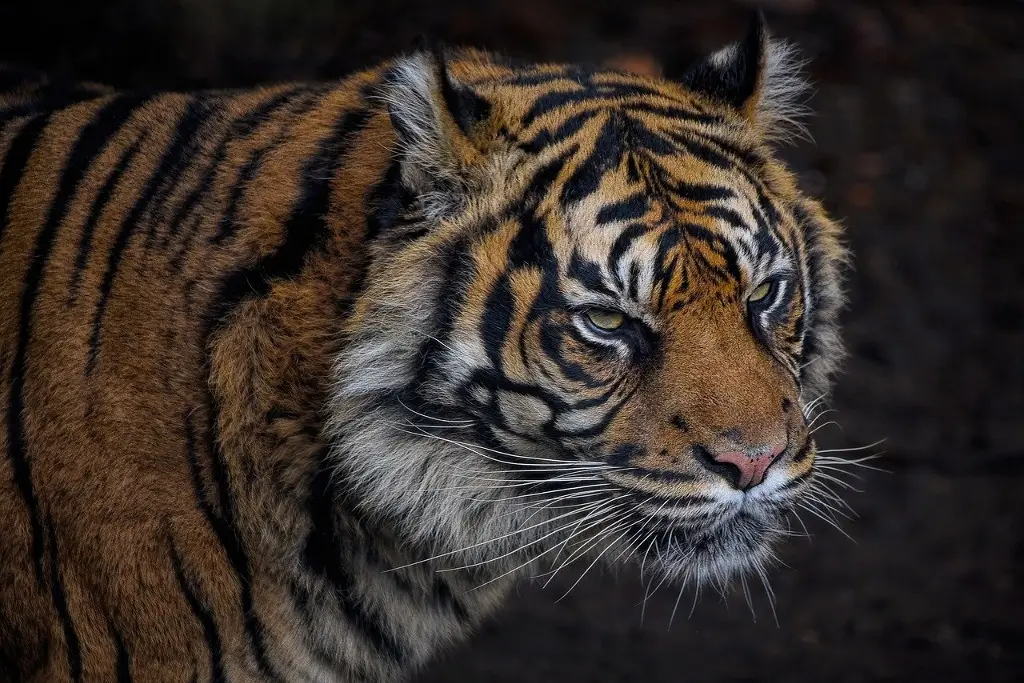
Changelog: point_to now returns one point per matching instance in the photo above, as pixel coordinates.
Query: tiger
(300, 380)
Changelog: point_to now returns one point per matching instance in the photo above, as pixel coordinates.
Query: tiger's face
(633, 307)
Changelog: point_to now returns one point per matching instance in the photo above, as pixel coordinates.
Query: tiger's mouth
(706, 538)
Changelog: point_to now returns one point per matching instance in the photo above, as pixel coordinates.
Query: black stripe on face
(608, 95)
(699, 193)
(602, 425)
(60, 605)
(553, 346)
(323, 555)
(717, 244)
(629, 209)
(457, 266)
(588, 274)
(565, 130)
(624, 454)
(186, 127)
(14, 163)
(621, 245)
(607, 153)
(203, 616)
(497, 319)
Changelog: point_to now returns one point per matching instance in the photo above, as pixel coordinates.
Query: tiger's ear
(437, 121)
(758, 76)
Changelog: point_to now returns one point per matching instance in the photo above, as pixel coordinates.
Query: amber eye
(761, 292)
(604, 319)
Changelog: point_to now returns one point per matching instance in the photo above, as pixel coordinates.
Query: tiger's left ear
(438, 123)
(758, 76)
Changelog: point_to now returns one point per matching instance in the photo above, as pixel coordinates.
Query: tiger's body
(234, 323)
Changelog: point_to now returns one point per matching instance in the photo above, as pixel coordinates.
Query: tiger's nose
(744, 468)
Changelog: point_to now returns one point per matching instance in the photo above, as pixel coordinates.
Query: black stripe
(227, 227)
(311, 636)
(621, 245)
(606, 154)
(602, 424)
(60, 604)
(91, 139)
(305, 231)
(623, 454)
(14, 165)
(497, 319)
(627, 209)
(697, 192)
(456, 264)
(568, 128)
(588, 274)
(21, 149)
(387, 201)
(89, 230)
(551, 343)
(224, 527)
(444, 596)
(241, 128)
(188, 139)
(46, 100)
(325, 548)
(203, 616)
(123, 657)
(185, 128)
(612, 95)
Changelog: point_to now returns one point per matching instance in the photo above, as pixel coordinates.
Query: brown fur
(190, 433)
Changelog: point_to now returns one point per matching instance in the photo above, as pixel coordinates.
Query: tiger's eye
(605, 319)
(762, 290)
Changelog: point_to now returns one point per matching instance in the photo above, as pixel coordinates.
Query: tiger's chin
(737, 545)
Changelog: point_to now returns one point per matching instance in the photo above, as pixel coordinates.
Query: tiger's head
(597, 314)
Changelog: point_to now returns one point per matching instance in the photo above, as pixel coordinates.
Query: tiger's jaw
(714, 537)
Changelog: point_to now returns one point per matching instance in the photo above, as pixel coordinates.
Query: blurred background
(919, 113)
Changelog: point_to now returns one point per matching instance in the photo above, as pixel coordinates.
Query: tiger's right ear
(437, 121)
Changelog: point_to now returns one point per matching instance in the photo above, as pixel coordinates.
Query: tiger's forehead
(641, 185)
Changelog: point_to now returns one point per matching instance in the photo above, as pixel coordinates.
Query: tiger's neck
(352, 603)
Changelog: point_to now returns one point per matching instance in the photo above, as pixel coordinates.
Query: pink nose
(752, 464)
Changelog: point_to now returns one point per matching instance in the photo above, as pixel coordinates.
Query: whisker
(603, 516)
(853, 448)
(465, 422)
(598, 558)
(826, 519)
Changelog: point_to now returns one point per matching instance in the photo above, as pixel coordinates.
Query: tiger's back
(131, 228)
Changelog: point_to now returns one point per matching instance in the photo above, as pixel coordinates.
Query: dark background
(917, 148)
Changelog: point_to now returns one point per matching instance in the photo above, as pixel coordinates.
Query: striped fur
(297, 382)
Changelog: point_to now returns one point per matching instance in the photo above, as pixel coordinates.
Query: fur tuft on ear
(760, 77)
(435, 119)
